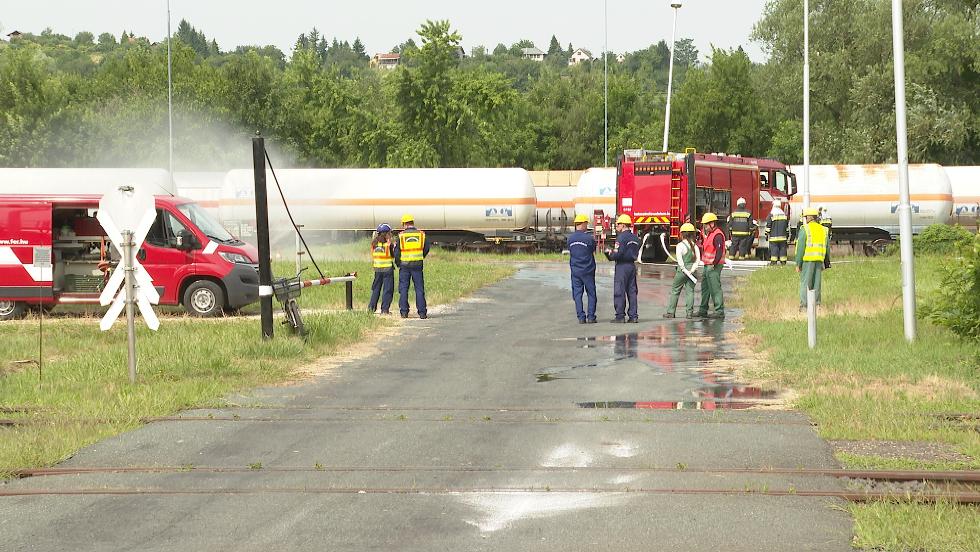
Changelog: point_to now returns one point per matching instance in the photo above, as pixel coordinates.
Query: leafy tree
(106, 42)
(84, 38)
(501, 50)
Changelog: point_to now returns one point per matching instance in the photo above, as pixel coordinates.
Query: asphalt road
(498, 424)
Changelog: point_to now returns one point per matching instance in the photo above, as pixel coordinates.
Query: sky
(381, 24)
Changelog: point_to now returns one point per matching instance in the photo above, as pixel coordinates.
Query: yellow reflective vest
(816, 242)
(382, 257)
(411, 244)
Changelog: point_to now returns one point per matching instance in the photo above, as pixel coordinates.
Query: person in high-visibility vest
(409, 252)
(713, 258)
(742, 226)
(624, 254)
(827, 222)
(777, 226)
(581, 260)
(688, 256)
(812, 254)
(383, 286)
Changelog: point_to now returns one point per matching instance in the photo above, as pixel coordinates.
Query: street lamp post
(904, 208)
(170, 99)
(605, 84)
(670, 73)
(806, 104)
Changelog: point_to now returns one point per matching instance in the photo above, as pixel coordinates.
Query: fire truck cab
(662, 190)
(191, 258)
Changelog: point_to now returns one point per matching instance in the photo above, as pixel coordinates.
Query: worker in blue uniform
(624, 254)
(581, 260)
(409, 251)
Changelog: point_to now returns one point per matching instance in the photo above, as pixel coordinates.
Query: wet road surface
(500, 424)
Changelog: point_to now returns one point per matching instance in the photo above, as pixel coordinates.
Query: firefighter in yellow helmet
(714, 260)
(688, 256)
(812, 254)
(624, 254)
(409, 252)
(581, 260)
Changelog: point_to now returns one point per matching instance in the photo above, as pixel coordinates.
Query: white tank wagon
(82, 181)
(555, 207)
(965, 182)
(863, 199)
(453, 204)
(204, 188)
(596, 190)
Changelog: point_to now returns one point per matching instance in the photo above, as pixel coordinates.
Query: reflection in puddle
(672, 405)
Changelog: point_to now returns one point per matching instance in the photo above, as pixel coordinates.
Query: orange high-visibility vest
(411, 243)
(710, 254)
(381, 254)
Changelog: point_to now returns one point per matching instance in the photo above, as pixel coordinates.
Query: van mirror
(186, 241)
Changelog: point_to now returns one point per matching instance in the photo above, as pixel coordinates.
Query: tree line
(88, 101)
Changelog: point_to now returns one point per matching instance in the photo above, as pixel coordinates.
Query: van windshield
(206, 223)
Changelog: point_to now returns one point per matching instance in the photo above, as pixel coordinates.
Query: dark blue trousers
(406, 276)
(624, 287)
(383, 287)
(584, 282)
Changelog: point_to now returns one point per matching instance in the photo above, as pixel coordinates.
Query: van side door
(161, 256)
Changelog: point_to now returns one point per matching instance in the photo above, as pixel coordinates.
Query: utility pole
(605, 84)
(170, 99)
(670, 73)
(904, 207)
(806, 104)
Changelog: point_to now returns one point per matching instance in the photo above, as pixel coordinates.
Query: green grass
(864, 381)
(84, 394)
(902, 527)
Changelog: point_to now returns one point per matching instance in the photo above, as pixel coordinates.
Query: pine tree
(554, 48)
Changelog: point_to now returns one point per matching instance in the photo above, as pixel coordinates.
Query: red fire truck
(54, 251)
(662, 190)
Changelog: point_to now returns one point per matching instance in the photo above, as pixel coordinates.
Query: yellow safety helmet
(811, 212)
(624, 219)
(580, 218)
(688, 227)
(408, 218)
(709, 217)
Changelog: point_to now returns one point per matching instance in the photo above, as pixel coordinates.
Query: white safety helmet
(826, 211)
(741, 201)
(777, 203)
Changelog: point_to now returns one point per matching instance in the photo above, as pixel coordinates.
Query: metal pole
(811, 318)
(170, 99)
(904, 208)
(670, 75)
(806, 104)
(605, 83)
(128, 265)
(350, 294)
(299, 251)
(262, 234)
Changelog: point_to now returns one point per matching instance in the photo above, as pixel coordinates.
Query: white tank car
(596, 190)
(82, 181)
(965, 182)
(553, 203)
(477, 200)
(863, 199)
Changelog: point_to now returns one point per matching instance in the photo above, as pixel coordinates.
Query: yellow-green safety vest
(411, 243)
(816, 242)
(381, 254)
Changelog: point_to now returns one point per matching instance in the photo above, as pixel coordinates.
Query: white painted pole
(904, 207)
(130, 282)
(806, 104)
(670, 75)
(811, 318)
(170, 99)
(605, 83)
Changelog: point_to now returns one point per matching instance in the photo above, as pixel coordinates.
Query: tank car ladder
(675, 203)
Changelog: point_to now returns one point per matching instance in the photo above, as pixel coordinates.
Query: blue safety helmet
(384, 228)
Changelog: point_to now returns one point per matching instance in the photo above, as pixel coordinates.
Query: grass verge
(865, 382)
(84, 394)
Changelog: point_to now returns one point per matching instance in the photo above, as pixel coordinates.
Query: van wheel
(204, 298)
(11, 310)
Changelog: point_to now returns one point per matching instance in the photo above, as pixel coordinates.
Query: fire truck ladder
(675, 203)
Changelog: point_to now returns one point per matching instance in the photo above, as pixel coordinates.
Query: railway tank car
(82, 181)
(464, 205)
(965, 183)
(863, 199)
(596, 191)
(204, 188)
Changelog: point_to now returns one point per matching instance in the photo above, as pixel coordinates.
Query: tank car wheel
(204, 299)
(12, 310)
(879, 245)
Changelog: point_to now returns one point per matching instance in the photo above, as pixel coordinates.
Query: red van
(192, 259)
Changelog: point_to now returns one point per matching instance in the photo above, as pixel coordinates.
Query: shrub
(956, 304)
(942, 238)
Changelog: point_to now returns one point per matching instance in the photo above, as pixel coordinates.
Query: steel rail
(961, 498)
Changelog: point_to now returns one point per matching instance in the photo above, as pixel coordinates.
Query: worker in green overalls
(688, 256)
(812, 254)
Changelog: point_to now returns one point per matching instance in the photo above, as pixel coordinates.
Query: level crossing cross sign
(126, 215)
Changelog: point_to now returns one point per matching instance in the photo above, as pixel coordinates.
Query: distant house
(14, 35)
(386, 61)
(580, 55)
(620, 58)
(532, 53)
(460, 52)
